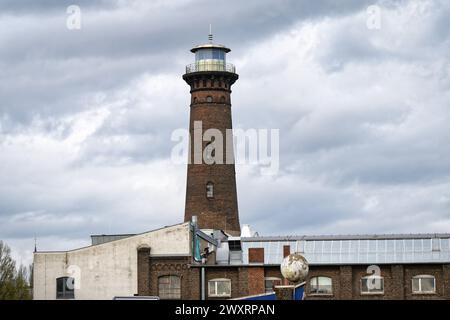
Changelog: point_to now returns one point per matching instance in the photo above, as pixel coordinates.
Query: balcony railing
(210, 66)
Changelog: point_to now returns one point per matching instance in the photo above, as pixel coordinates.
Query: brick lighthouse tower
(211, 178)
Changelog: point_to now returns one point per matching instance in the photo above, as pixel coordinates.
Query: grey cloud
(61, 69)
(363, 117)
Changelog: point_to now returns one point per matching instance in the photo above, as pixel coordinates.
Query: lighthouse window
(208, 54)
(209, 99)
(218, 54)
(210, 190)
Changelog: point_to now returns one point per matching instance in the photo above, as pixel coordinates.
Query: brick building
(209, 257)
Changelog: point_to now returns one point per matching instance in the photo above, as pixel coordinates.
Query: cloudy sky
(86, 115)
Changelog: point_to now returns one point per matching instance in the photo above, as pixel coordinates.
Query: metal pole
(203, 283)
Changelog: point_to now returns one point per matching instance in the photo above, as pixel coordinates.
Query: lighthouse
(211, 178)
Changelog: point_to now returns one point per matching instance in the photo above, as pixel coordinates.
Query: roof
(103, 238)
(350, 237)
(118, 238)
(355, 249)
(211, 46)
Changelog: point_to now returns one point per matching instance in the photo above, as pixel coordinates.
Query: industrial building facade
(405, 266)
(210, 257)
(162, 263)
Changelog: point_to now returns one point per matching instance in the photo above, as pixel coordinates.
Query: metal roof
(350, 237)
(355, 249)
(210, 46)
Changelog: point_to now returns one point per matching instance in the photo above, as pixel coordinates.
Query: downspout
(203, 283)
(195, 253)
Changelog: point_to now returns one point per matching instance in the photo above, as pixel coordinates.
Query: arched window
(372, 285)
(219, 288)
(204, 83)
(169, 287)
(209, 99)
(210, 190)
(222, 99)
(195, 99)
(424, 284)
(270, 283)
(65, 288)
(321, 285)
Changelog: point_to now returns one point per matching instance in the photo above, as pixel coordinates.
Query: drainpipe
(194, 221)
(203, 283)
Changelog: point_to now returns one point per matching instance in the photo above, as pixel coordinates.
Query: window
(218, 54)
(372, 285)
(195, 100)
(222, 99)
(209, 99)
(234, 245)
(210, 190)
(207, 54)
(169, 287)
(321, 285)
(270, 283)
(65, 288)
(219, 288)
(424, 284)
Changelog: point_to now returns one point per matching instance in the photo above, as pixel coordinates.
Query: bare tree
(13, 282)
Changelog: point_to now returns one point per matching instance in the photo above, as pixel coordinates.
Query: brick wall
(256, 255)
(177, 266)
(249, 280)
(414, 270)
(221, 211)
(346, 281)
(143, 271)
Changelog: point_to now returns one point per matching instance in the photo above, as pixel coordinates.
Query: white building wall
(106, 270)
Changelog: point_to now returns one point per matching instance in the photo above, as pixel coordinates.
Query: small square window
(424, 284)
(219, 288)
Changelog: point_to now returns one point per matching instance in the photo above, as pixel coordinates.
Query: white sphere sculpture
(294, 267)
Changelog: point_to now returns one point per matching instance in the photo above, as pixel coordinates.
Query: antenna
(35, 243)
(210, 36)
